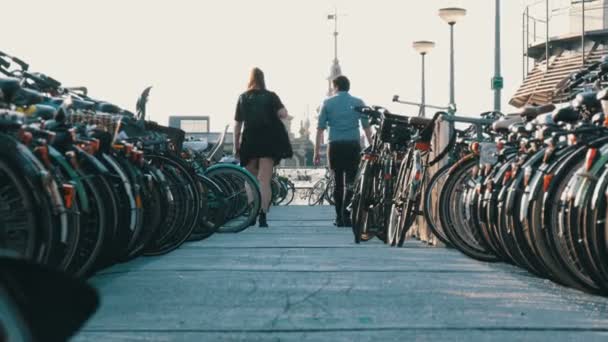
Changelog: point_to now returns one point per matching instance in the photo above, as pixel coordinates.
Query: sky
(197, 54)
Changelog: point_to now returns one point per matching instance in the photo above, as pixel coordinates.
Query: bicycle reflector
(68, 195)
(507, 177)
(25, 137)
(547, 182)
(94, 145)
(474, 147)
(43, 153)
(139, 157)
(423, 146)
(590, 158)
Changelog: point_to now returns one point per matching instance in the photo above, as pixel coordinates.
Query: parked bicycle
(323, 190)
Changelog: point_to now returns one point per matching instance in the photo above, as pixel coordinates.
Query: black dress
(264, 135)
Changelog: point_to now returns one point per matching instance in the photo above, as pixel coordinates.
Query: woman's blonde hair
(256, 79)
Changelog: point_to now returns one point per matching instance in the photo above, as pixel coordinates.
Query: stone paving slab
(384, 335)
(292, 285)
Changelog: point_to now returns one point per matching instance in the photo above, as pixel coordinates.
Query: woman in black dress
(260, 138)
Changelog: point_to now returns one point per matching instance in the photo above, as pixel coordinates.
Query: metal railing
(543, 20)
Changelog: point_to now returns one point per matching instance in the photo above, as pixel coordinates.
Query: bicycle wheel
(396, 214)
(242, 191)
(291, 192)
(17, 215)
(573, 211)
(152, 212)
(411, 197)
(329, 192)
(317, 192)
(278, 191)
(451, 204)
(431, 208)
(360, 204)
(174, 222)
(559, 231)
(216, 214)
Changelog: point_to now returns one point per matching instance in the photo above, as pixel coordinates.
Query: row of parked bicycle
(85, 184)
(528, 188)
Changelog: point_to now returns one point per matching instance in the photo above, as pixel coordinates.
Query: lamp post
(335, 70)
(451, 16)
(423, 47)
(497, 81)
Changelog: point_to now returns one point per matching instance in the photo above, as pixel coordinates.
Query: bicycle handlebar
(24, 66)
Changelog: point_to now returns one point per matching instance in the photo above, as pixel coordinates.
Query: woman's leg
(266, 166)
(253, 166)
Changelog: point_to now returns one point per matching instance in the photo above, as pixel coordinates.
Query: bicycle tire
(247, 193)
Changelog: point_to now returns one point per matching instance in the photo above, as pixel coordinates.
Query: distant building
(192, 125)
(197, 127)
(545, 78)
(303, 147)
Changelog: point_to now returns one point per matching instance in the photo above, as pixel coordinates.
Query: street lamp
(451, 16)
(423, 47)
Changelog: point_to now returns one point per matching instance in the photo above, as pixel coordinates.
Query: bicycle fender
(234, 167)
(512, 193)
(58, 158)
(590, 179)
(462, 160)
(96, 165)
(534, 185)
(25, 160)
(597, 192)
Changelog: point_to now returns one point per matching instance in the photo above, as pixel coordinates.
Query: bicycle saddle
(79, 104)
(9, 121)
(532, 112)
(26, 97)
(196, 146)
(603, 95)
(503, 125)
(8, 87)
(419, 122)
(109, 108)
(567, 114)
(545, 119)
(588, 101)
(45, 112)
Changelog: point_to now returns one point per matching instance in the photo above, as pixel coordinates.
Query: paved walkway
(303, 279)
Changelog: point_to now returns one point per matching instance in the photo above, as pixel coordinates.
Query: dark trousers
(344, 159)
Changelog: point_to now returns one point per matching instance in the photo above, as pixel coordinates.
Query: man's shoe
(338, 223)
(262, 219)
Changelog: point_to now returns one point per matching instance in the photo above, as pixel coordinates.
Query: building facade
(549, 61)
